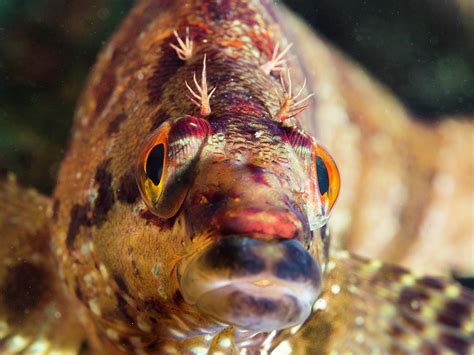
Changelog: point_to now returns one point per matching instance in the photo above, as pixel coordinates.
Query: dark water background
(422, 49)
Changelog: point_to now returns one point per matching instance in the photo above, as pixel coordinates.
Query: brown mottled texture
(368, 312)
(125, 264)
(412, 178)
(33, 306)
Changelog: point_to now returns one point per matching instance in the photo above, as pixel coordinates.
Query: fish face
(249, 211)
(249, 197)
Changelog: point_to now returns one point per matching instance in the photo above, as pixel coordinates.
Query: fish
(192, 207)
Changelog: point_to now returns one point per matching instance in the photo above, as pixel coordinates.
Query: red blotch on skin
(261, 223)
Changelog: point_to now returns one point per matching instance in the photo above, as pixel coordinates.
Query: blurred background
(422, 49)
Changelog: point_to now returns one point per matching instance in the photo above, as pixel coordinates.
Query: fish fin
(372, 307)
(34, 308)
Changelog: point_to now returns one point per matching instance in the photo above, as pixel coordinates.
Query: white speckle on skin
(112, 334)
(295, 329)
(168, 349)
(156, 269)
(85, 249)
(199, 350)
(16, 344)
(143, 324)
(225, 342)
(176, 333)
(335, 289)
(92, 195)
(283, 349)
(408, 280)
(94, 307)
(39, 346)
(320, 304)
(359, 320)
(103, 271)
(88, 278)
(352, 288)
(360, 337)
(452, 291)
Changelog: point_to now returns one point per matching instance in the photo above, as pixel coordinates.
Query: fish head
(250, 193)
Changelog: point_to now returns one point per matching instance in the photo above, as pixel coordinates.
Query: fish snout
(254, 284)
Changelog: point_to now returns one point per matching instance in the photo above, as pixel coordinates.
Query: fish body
(184, 228)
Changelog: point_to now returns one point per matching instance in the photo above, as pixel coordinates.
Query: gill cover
(166, 161)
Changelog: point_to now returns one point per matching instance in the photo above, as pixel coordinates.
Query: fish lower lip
(253, 284)
(250, 307)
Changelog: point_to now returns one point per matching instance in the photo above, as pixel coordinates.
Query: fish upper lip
(260, 223)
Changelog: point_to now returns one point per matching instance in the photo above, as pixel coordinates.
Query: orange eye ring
(152, 166)
(328, 178)
(165, 164)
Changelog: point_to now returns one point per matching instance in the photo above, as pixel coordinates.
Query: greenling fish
(191, 209)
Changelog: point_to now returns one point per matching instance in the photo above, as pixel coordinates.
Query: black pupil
(154, 163)
(323, 176)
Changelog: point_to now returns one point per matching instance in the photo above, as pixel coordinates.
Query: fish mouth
(253, 284)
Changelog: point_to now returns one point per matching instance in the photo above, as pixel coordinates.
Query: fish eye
(165, 163)
(155, 163)
(327, 177)
(152, 167)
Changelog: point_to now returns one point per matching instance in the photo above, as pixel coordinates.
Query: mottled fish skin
(413, 179)
(119, 259)
(34, 308)
(372, 307)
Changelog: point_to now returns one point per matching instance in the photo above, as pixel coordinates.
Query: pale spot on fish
(3, 329)
(413, 342)
(112, 334)
(335, 289)
(408, 280)
(176, 333)
(85, 249)
(452, 291)
(94, 307)
(39, 346)
(359, 337)
(225, 342)
(143, 324)
(320, 304)
(168, 349)
(387, 310)
(283, 349)
(428, 313)
(103, 271)
(352, 288)
(331, 265)
(199, 350)
(295, 329)
(156, 269)
(16, 344)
